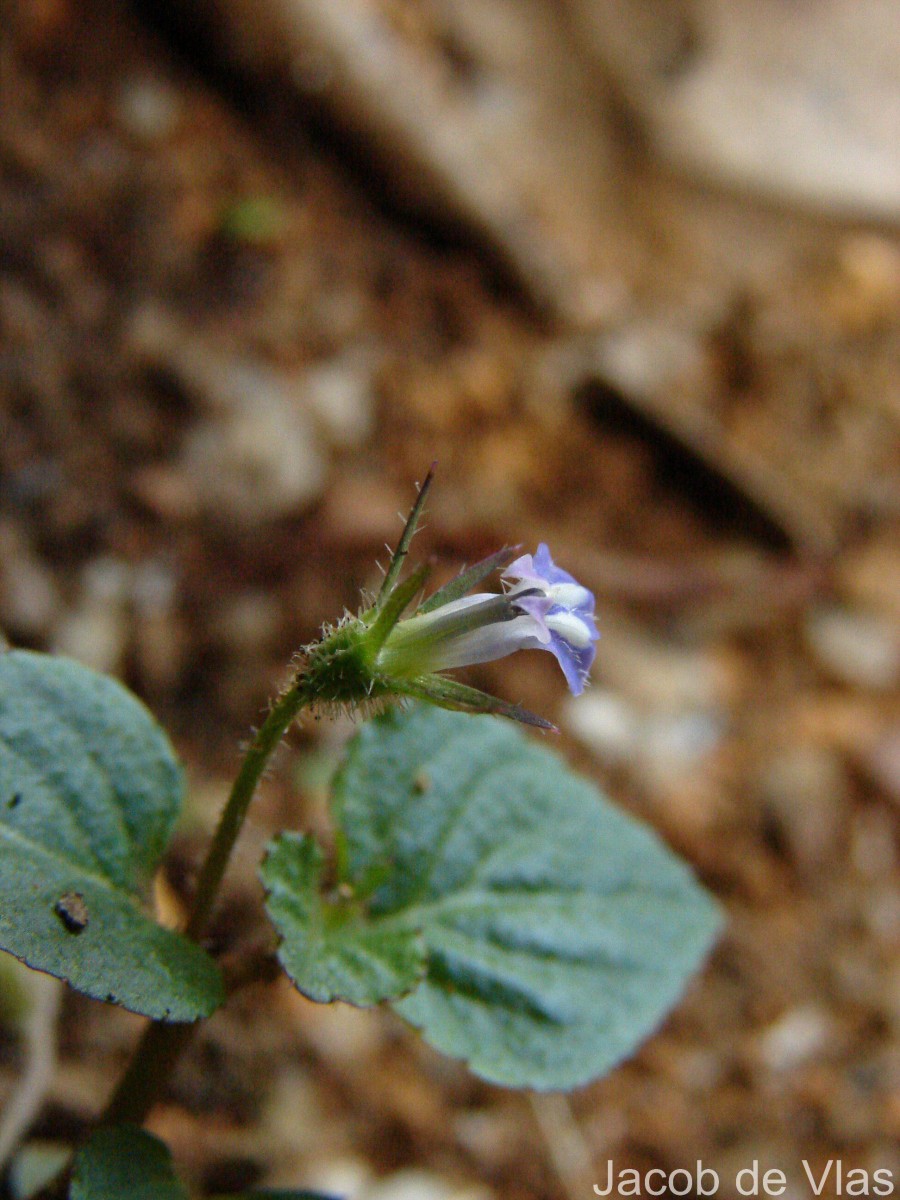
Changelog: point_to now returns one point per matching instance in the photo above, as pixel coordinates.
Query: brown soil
(163, 229)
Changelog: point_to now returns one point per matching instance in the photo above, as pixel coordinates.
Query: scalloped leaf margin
(558, 932)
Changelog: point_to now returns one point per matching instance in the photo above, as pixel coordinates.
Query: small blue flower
(545, 609)
(379, 654)
(562, 610)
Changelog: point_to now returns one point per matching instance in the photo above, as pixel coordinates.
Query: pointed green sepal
(399, 555)
(459, 697)
(393, 608)
(467, 579)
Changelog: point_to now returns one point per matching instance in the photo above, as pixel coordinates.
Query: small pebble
(338, 1177)
(260, 458)
(148, 108)
(95, 631)
(649, 356)
(805, 790)
(422, 1185)
(339, 1032)
(340, 395)
(798, 1036)
(677, 742)
(883, 763)
(29, 600)
(606, 723)
(663, 742)
(855, 648)
(154, 587)
(254, 454)
(668, 754)
(248, 622)
(489, 1133)
(292, 1116)
(658, 675)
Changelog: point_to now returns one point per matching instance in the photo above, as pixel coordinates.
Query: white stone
(259, 457)
(422, 1185)
(796, 1037)
(148, 108)
(857, 648)
(340, 394)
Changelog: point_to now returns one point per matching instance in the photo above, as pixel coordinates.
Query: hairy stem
(162, 1044)
(139, 1088)
(282, 713)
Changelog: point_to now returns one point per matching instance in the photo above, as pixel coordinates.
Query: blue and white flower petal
(545, 609)
(562, 610)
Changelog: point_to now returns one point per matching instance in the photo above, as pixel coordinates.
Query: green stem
(273, 729)
(162, 1043)
(151, 1065)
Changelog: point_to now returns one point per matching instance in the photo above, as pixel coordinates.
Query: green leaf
(333, 950)
(89, 792)
(124, 1163)
(559, 931)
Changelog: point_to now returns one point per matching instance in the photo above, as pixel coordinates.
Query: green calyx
(339, 670)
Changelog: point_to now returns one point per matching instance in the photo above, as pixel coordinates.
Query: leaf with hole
(89, 792)
(558, 932)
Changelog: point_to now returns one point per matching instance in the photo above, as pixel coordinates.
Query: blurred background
(629, 271)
